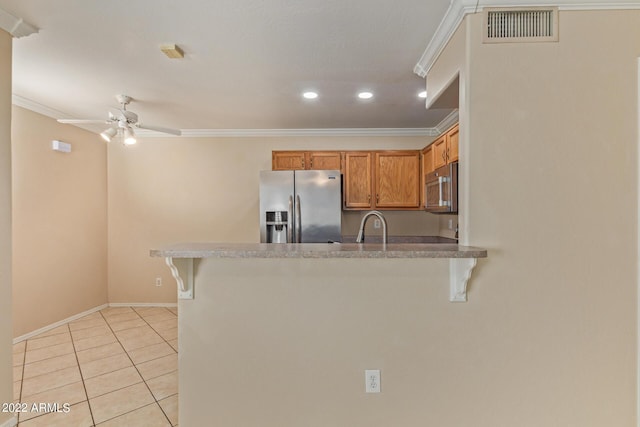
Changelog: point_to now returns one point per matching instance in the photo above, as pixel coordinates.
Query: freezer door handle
(289, 221)
(298, 220)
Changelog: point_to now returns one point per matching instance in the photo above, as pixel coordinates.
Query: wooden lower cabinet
(357, 180)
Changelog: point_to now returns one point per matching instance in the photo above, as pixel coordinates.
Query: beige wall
(548, 337)
(59, 222)
(167, 190)
(285, 343)
(550, 134)
(6, 373)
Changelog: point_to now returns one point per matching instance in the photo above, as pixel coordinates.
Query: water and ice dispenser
(276, 223)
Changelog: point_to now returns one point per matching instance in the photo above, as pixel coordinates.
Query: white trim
(450, 22)
(57, 324)
(240, 133)
(15, 26)
(448, 121)
(90, 311)
(36, 107)
(11, 422)
(458, 9)
(202, 133)
(143, 304)
(637, 247)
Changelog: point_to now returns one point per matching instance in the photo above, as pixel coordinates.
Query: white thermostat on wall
(60, 146)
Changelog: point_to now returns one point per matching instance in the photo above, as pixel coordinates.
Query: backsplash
(399, 223)
(444, 230)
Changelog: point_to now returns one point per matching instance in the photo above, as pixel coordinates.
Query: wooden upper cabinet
(397, 179)
(440, 152)
(287, 160)
(427, 160)
(324, 160)
(444, 151)
(296, 160)
(452, 134)
(371, 179)
(357, 180)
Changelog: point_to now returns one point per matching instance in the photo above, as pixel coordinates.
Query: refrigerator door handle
(298, 221)
(289, 221)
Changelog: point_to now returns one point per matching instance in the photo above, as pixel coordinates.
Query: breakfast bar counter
(319, 250)
(264, 328)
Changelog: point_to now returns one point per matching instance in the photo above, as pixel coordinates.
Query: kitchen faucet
(366, 216)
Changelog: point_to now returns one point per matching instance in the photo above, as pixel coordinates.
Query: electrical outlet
(158, 281)
(376, 223)
(372, 381)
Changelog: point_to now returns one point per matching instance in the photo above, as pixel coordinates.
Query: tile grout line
(137, 370)
(23, 367)
(82, 378)
(24, 358)
(75, 353)
(154, 330)
(145, 381)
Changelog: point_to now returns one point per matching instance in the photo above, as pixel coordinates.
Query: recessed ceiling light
(310, 95)
(423, 94)
(365, 95)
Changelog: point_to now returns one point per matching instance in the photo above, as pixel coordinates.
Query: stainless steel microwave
(441, 189)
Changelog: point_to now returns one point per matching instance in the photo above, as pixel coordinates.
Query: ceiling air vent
(520, 25)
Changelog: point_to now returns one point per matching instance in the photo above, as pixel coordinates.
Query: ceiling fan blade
(160, 129)
(80, 121)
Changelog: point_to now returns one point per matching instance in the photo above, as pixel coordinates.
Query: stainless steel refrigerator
(300, 206)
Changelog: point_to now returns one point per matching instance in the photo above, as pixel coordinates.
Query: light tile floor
(115, 367)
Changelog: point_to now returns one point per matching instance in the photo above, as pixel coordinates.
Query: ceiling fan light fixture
(129, 137)
(107, 134)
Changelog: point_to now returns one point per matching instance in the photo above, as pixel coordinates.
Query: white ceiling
(246, 61)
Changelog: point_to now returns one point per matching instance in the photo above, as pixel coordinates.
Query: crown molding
(17, 27)
(447, 122)
(458, 9)
(239, 133)
(199, 133)
(452, 19)
(36, 107)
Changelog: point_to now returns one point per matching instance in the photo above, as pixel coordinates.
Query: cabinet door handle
(311, 164)
(302, 163)
(443, 156)
(377, 198)
(369, 198)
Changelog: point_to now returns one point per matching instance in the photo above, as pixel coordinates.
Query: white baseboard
(57, 324)
(143, 304)
(11, 422)
(86, 313)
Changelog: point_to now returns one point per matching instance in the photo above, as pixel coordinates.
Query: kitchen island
(280, 334)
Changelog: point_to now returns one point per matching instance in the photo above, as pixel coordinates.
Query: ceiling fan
(121, 123)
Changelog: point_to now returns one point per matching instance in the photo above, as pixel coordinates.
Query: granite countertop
(319, 250)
